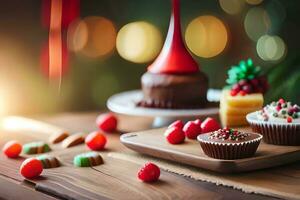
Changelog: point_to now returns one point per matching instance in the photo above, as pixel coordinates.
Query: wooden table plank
(116, 179)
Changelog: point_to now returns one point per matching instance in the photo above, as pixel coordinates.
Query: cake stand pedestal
(125, 103)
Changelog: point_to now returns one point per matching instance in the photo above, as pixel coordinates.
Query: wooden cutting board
(153, 143)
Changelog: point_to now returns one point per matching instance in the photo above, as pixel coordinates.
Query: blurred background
(71, 55)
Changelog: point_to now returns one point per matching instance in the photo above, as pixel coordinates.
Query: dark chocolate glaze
(251, 136)
(174, 90)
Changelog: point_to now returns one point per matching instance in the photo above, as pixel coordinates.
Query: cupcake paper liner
(276, 133)
(230, 151)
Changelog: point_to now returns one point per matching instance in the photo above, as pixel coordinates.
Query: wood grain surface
(153, 142)
(115, 179)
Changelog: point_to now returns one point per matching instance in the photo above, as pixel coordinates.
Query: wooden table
(13, 186)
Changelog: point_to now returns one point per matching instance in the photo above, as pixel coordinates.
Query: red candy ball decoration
(12, 149)
(107, 122)
(191, 130)
(95, 141)
(149, 172)
(31, 168)
(209, 125)
(178, 124)
(174, 135)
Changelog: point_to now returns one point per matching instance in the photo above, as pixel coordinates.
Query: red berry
(174, 135)
(289, 119)
(95, 141)
(191, 130)
(209, 125)
(233, 92)
(248, 88)
(177, 123)
(107, 122)
(236, 87)
(12, 149)
(198, 122)
(149, 172)
(31, 168)
(242, 93)
(243, 82)
(255, 82)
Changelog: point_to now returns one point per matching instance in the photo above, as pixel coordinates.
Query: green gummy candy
(81, 160)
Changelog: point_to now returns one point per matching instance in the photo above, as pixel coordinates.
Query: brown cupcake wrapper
(278, 134)
(230, 151)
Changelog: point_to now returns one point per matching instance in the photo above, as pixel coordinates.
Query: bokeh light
(271, 48)
(206, 36)
(77, 35)
(139, 42)
(101, 37)
(257, 23)
(232, 7)
(254, 2)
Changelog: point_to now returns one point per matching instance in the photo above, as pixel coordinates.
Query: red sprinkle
(289, 119)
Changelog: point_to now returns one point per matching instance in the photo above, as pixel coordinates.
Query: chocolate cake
(174, 90)
(174, 79)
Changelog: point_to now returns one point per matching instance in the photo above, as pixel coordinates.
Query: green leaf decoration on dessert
(245, 78)
(245, 70)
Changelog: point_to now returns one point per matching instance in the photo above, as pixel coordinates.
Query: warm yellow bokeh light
(257, 23)
(101, 36)
(77, 35)
(139, 42)
(232, 6)
(206, 36)
(271, 48)
(254, 2)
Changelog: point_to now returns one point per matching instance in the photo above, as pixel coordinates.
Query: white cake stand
(125, 103)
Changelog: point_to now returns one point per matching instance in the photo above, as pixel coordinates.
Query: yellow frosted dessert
(243, 95)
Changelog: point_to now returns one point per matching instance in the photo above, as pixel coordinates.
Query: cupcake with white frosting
(278, 122)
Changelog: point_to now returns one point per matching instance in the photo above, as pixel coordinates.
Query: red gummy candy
(191, 130)
(12, 149)
(149, 172)
(209, 125)
(174, 135)
(31, 168)
(177, 123)
(95, 141)
(107, 122)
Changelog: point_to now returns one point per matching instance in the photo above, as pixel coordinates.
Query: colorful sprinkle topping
(228, 134)
(280, 109)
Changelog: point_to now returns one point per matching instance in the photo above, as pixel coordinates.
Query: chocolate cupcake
(278, 122)
(229, 144)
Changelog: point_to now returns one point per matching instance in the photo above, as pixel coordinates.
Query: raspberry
(198, 122)
(149, 172)
(191, 130)
(12, 149)
(281, 101)
(95, 141)
(174, 135)
(31, 168)
(107, 122)
(209, 125)
(177, 123)
(248, 88)
(236, 87)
